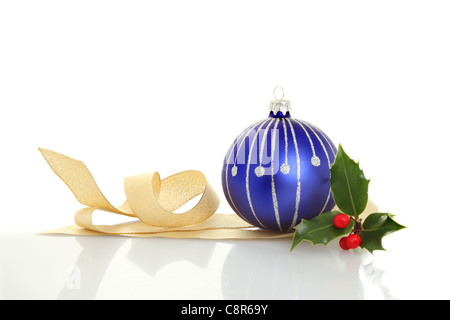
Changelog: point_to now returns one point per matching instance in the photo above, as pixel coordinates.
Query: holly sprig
(350, 188)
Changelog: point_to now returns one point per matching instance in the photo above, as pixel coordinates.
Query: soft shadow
(87, 273)
(150, 255)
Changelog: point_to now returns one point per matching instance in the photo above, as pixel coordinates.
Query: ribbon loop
(142, 196)
(149, 199)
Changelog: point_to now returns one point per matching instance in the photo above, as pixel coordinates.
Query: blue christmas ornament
(277, 171)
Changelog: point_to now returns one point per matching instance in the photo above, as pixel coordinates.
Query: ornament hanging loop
(274, 95)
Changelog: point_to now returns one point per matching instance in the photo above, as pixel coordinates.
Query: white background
(130, 87)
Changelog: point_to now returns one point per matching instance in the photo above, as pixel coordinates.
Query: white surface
(165, 86)
(48, 267)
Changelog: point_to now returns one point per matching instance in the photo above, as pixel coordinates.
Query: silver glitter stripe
(320, 141)
(326, 202)
(285, 141)
(274, 193)
(246, 131)
(247, 186)
(263, 142)
(329, 164)
(253, 126)
(308, 136)
(297, 196)
(324, 136)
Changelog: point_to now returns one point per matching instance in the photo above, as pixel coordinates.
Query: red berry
(343, 243)
(341, 220)
(353, 241)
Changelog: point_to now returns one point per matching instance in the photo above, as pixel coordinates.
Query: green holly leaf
(348, 184)
(320, 229)
(376, 226)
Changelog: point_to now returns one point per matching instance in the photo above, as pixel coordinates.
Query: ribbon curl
(152, 201)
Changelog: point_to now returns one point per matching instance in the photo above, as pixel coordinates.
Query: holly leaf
(348, 184)
(376, 226)
(320, 229)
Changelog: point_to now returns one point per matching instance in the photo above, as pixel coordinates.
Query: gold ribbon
(153, 202)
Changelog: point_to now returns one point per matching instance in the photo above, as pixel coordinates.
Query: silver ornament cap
(279, 104)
